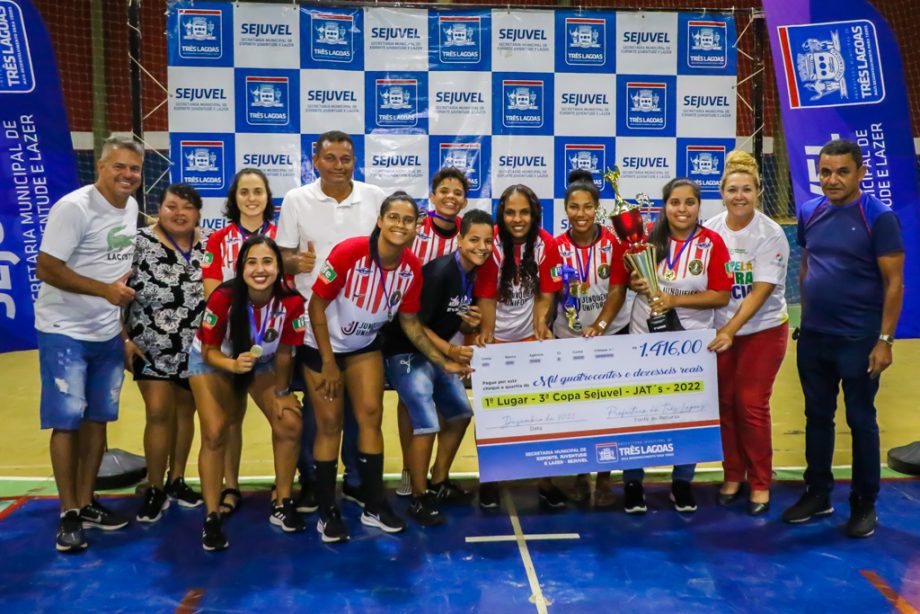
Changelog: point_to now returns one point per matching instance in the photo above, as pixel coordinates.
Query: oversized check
(572, 406)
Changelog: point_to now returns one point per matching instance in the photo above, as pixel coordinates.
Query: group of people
(354, 288)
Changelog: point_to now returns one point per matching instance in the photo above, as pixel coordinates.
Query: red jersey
(514, 319)
(286, 323)
(224, 247)
(363, 296)
(431, 242)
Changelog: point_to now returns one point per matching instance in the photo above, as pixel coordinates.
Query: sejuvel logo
(459, 39)
(331, 37)
(522, 104)
(16, 73)
(200, 33)
(706, 44)
(397, 102)
(832, 64)
(465, 157)
(267, 101)
(647, 106)
(589, 158)
(202, 164)
(585, 41)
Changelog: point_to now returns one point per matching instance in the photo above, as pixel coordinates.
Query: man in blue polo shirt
(851, 277)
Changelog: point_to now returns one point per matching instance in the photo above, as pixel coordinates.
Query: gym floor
(518, 559)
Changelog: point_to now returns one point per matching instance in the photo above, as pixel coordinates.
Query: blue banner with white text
(37, 164)
(839, 75)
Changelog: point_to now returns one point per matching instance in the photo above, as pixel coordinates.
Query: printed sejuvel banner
(37, 164)
(839, 75)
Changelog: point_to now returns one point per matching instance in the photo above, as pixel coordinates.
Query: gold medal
(584, 288)
(256, 350)
(670, 275)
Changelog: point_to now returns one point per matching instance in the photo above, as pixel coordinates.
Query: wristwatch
(889, 339)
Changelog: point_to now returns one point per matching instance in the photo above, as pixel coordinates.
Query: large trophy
(629, 226)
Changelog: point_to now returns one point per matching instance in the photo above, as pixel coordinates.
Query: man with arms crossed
(314, 219)
(83, 263)
(852, 285)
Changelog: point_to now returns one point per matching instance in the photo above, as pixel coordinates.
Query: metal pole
(757, 85)
(137, 103)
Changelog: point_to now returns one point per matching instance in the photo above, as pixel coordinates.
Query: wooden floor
(24, 447)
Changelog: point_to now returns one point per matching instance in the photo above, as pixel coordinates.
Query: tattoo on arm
(412, 326)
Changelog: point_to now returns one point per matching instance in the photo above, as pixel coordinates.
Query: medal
(258, 334)
(583, 289)
(670, 275)
(388, 300)
(256, 350)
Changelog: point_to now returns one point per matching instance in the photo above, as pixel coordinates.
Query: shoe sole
(352, 499)
(636, 510)
(820, 514)
(861, 535)
(216, 548)
(91, 524)
(372, 521)
(552, 505)
(71, 549)
(286, 528)
(303, 509)
(156, 518)
(326, 539)
(684, 509)
(488, 506)
(185, 504)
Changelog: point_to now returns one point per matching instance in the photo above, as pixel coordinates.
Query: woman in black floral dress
(161, 323)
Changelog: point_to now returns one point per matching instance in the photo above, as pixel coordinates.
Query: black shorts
(310, 357)
(142, 374)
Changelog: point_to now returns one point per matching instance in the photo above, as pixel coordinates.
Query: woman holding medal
(752, 333)
(365, 283)
(594, 289)
(516, 289)
(160, 325)
(249, 211)
(245, 344)
(694, 282)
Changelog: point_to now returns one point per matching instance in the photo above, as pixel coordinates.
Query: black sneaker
(182, 493)
(212, 536)
(682, 496)
(306, 498)
(553, 497)
(70, 533)
(97, 516)
(383, 518)
(405, 485)
(155, 503)
(353, 494)
(449, 492)
(489, 495)
(634, 498)
(863, 518)
(424, 511)
(811, 504)
(331, 527)
(286, 517)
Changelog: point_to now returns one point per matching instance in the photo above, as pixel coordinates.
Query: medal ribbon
(383, 283)
(259, 333)
(583, 270)
(568, 275)
(246, 234)
(187, 255)
(672, 262)
(467, 283)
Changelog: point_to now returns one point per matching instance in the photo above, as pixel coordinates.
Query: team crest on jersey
(327, 272)
(706, 42)
(208, 258)
(270, 335)
(209, 320)
(405, 274)
(300, 324)
(603, 271)
(556, 273)
(395, 298)
(695, 267)
(362, 270)
(832, 64)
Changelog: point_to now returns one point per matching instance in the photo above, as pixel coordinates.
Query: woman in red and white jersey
(516, 289)
(245, 344)
(249, 211)
(694, 282)
(594, 290)
(365, 283)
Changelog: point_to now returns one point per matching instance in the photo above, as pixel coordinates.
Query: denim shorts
(81, 380)
(427, 390)
(197, 365)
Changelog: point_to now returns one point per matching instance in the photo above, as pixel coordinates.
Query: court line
(481, 539)
(190, 601)
(898, 602)
(536, 592)
(13, 507)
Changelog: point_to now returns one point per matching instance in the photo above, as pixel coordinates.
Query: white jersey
(95, 239)
(759, 252)
(309, 215)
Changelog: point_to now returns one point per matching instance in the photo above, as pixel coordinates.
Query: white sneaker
(405, 485)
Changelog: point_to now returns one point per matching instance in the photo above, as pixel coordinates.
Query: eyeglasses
(402, 220)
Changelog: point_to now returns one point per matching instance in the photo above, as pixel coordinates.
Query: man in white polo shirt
(84, 260)
(314, 219)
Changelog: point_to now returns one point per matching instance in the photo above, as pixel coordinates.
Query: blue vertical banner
(843, 78)
(37, 165)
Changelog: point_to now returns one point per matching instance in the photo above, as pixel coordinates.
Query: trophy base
(664, 322)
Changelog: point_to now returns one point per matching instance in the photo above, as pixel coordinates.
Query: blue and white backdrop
(510, 96)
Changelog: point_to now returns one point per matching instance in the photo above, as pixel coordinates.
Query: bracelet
(601, 324)
(283, 393)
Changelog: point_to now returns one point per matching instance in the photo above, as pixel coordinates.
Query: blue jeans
(824, 362)
(682, 473)
(81, 380)
(427, 390)
(308, 435)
